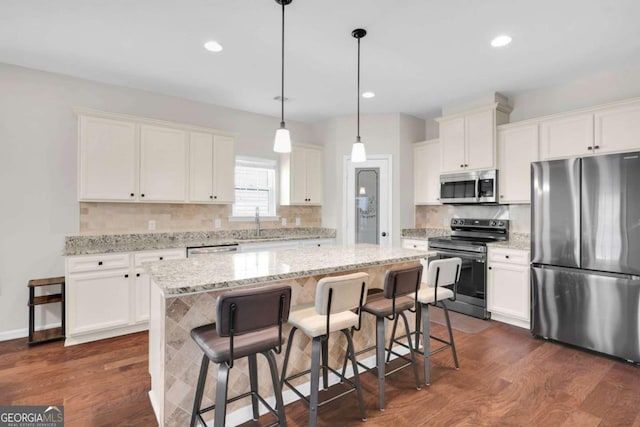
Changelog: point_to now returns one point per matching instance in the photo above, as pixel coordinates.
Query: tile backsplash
(112, 218)
(439, 216)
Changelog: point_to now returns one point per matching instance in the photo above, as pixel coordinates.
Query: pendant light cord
(358, 94)
(282, 74)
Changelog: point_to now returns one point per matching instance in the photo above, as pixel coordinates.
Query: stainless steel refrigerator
(585, 252)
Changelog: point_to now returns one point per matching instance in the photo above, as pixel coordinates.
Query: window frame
(263, 163)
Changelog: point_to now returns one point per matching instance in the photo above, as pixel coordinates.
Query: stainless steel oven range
(468, 241)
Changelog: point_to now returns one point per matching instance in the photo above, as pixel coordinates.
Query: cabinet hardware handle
(461, 166)
(506, 256)
(466, 165)
(215, 197)
(597, 147)
(99, 262)
(318, 244)
(161, 258)
(137, 274)
(501, 196)
(211, 197)
(489, 268)
(384, 234)
(132, 194)
(142, 195)
(589, 148)
(126, 276)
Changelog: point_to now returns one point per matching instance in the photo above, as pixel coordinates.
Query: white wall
(382, 134)
(38, 166)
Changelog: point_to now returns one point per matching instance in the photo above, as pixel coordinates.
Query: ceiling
(418, 55)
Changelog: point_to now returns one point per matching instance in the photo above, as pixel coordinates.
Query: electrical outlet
(298, 221)
(217, 223)
(284, 221)
(152, 224)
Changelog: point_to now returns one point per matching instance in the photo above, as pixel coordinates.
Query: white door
(368, 201)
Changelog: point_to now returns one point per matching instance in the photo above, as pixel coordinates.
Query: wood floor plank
(506, 378)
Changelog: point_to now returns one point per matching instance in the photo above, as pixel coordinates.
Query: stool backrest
(244, 311)
(444, 272)
(347, 293)
(402, 281)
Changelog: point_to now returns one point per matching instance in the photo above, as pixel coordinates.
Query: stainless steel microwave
(469, 187)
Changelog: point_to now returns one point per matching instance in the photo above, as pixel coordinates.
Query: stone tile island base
(174, 359)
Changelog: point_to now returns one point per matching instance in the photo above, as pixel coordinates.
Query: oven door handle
(476, 257)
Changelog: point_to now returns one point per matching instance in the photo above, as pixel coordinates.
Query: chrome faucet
(257, 221)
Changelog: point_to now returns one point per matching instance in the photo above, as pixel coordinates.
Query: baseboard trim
(24, 332)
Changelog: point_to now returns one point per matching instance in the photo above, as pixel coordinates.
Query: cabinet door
(426, 172)
(508, 290)
(200, 167)
(224, 164)
(298, 176)
(163, 164)
(517, 148)
(313, 160)
(141, 289)
(98, 300)
(452, 145)
(566, 137)
(617, 129)
(107, 160)
(480, 140)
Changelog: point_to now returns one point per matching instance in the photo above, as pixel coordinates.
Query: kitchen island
(183, 296)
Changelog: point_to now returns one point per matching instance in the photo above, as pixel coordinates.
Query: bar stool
(336, 298)
(391, 304)
(441, 274)
(248, 322)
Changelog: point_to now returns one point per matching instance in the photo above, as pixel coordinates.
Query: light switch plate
(217, 223)
(284, 221)
(152, 224)
(298, 221)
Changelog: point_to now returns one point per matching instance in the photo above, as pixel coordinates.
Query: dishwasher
(211, 250)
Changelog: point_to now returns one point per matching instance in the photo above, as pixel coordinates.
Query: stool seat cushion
(306, 318)
(426, 294)
(380, 306)
(217, 348)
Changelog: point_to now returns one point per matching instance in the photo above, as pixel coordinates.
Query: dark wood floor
(506, 377)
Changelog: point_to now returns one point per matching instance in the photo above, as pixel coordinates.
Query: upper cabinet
(211, 168)
(611, 128)
(163, 164)
(517, 148)
(468, 140)
(108, 159)
(123, 158)
(301, 176)
(426, 172)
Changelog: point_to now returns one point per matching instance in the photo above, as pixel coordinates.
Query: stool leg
(418, 318)
(325, 361)
(393, 337)
(316, 349)
(221, 395)
(411, 352)
(453, 345)
(380, 350)
(286, 357)
(356, 376)
(277, 390)
(426, 333)
(253, 380)
(197, 401)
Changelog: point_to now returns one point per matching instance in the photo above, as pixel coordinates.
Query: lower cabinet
(508, 290)
(286, 244)
(421, 245)
(108, 294)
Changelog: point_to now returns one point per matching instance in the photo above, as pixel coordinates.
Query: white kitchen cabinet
(566, 136)
(508, 289)
(517, 148)
(317, 242)
(301, 176)
(108, 159)
(617, 129)
(468, 140)
(420, 245)
(142, 281)
(108, 294)
(426, 172)
(211, 168)
(163, 164)
(283, 244)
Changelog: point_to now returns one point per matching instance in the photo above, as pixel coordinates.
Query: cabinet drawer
(160, 255)
(421, 245)
(508, 256)
(97, 262)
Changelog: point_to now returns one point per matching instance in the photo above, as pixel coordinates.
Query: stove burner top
(472, 235)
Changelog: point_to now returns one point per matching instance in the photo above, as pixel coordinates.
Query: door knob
(384, 234)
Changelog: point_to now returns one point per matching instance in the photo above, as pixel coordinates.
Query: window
(255, 186)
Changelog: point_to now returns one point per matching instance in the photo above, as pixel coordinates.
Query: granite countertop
(424, 233)
(519, 241)
(108, 243)
(206, 273)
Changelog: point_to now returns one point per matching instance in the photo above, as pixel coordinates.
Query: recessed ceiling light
(368, 94)
(501, 40)
(213, 46)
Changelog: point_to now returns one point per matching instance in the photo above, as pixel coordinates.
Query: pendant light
(358, 153)
(282, 142)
